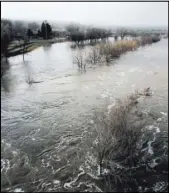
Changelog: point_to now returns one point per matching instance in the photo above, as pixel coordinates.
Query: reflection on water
(45, 126)
(5, 84)
(47, 47)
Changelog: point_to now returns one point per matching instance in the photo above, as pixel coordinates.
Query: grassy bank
(16, 48)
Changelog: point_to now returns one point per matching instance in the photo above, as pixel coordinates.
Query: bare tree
(19, 28)
(104, 139)
(29, 80)
(6, 36)
(122, 32)
(71, 28)
(80, 61)
(105, 50)
(94, 55)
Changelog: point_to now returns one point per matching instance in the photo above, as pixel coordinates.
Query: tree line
(77, 34)
(12, 30)
(45, 32)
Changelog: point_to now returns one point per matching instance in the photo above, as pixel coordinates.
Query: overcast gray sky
(99, 13)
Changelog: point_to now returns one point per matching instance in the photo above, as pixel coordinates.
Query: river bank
(19, 47)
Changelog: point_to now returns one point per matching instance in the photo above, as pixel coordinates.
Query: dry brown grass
(113, 50)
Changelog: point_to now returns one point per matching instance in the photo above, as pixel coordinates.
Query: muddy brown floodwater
(46, 126)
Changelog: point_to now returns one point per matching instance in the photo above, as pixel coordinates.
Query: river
(46, 126)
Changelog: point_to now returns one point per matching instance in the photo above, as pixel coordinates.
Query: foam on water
(86, 87)
(57, 182)
(159, 186)
(135, 70)
(91, 122)
(104, 96)
(149, 72)
(97, 189)
(163, 113)
(91, 166)
(159, 119)
(150, 148)
(5, 165)
(18, 190)
(101, 78)
(69, 184)
(119, 83)
(153, 163)
(121, 74)
(111, 106)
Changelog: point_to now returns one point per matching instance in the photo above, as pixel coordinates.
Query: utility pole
(23, 49)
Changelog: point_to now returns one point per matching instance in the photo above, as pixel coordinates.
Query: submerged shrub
(94, 55)
(117, 138)
(80, 61)
(155, 39)
(29, 80)
(148, 40)
(107, 51)
(120, 141)
(114, 50)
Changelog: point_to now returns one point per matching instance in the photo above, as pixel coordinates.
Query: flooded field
(46, 127)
